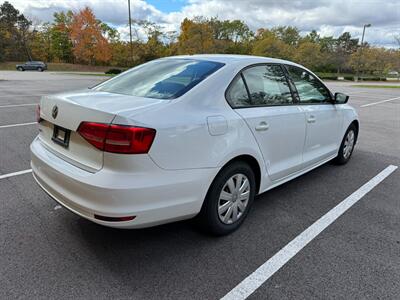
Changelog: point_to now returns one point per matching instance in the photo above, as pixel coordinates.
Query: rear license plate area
(61, 136)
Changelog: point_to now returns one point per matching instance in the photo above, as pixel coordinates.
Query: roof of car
(233, 58)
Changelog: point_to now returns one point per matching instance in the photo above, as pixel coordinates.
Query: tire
(40, 69)
(20, 69)
(345, 153)
(220, 223)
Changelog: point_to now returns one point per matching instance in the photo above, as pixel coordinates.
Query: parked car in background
(32, 65)
(189, 135)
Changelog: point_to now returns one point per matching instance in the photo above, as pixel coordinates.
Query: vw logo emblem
(54, 111)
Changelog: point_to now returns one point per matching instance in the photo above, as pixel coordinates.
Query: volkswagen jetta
(188, 136)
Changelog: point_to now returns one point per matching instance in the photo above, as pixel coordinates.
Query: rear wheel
(229, 199)
(347, 145)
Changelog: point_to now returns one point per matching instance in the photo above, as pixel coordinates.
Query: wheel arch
(248, 159)
(357, 126)
(252, 162)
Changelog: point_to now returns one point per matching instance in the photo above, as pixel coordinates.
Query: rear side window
(161, 79)
(267, 85)
(309, 88)
(237, 95)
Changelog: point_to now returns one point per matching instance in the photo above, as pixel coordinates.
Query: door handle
(311, 119)
(262, 126)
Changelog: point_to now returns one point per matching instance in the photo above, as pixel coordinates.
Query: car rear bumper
(153, 197)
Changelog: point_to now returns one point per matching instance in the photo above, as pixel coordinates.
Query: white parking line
(351, 93)
(271, 266)
(379, 102)
(16, 125)
(371, 96)
(15, 173)
(17, 105)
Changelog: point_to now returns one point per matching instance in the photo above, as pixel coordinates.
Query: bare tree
(397, 39)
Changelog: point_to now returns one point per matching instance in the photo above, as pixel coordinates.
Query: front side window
(161, 79)
(267, 85)
(309, 88)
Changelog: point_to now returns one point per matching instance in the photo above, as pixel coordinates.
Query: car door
(323, 118)
(261, 95)
(29, 65)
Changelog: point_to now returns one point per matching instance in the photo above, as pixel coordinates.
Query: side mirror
(341, 98)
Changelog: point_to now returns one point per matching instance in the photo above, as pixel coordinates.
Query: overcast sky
(328, 17)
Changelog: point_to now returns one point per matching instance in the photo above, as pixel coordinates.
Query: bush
(328, 77)
(113, 71)
(348, 77)
(373, 78)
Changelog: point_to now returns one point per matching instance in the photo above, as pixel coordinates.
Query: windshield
(161, 79)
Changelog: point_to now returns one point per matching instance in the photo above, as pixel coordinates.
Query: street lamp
(362, 38)
(130, 30)
(362, 45)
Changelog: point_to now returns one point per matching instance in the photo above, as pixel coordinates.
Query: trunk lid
(75, 108)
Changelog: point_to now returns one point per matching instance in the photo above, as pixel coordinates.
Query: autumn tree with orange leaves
(89, 44)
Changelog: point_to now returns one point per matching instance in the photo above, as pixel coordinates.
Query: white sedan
(188, 136)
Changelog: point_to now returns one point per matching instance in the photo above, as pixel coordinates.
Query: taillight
(118, 138)
(37, 113)
(94, 133)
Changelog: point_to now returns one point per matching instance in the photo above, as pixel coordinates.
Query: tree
(373, 60)
(120, 54)
(89, 44)
(268, 44)
(288, 34)
(230, 36)
(61, 44)
(235, 30)
(110, 33)
(171, 38)
(344, 47)
(80, 37)
(308, 54)
(14, 33)
(196, 37)
(397, 39)
(40, 43)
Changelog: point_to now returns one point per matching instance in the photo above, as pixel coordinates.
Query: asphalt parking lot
(48, 252)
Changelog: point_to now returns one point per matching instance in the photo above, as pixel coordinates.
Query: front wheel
(347, 145)
(20, 69)
(40, 69)
(229, 199)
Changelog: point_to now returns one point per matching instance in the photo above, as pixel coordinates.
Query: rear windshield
(161, 79)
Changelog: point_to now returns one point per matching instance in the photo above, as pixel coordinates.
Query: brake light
(118, 138)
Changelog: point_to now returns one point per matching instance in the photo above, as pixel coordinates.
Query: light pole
(130, 30)
(362, 45)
